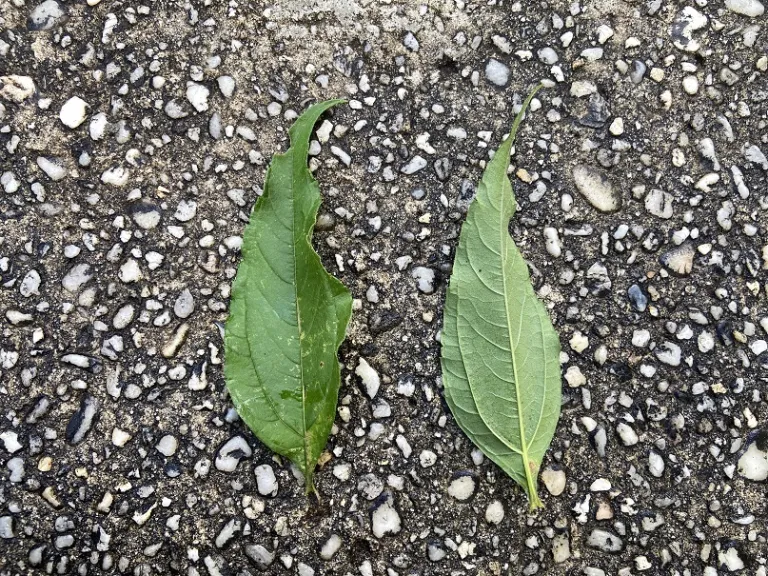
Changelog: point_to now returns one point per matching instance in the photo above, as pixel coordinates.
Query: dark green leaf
(288, 316)
(500, 353)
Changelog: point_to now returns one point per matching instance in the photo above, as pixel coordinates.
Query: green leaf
(500, 353)
(288, 316)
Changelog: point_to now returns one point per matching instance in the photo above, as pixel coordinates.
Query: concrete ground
(134, 137)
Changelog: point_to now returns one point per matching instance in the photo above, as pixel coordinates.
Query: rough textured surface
(657, 463)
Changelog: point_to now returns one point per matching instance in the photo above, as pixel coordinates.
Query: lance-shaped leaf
(500, 353)
(288, 316)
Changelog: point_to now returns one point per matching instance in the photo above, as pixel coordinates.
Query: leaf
(288, 316)
(500, 353)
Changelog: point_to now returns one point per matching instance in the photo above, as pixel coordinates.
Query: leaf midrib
(503, 229)
(305, 436)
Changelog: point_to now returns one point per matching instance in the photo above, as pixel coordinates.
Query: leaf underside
(288, 315)
(500, 352)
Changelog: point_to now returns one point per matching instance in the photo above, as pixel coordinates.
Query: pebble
(369, 377)
(425, 278)
(45, 15)
(596, 188)
(231, 452)
(617, 127)
(197, 95)
(627, 434)
(184, 305)
(656, 464)
(427, 458)
(115, 176)
(552, 242)
(175, 110)
(582, 88)
(687, 21)
(578, 342)
(82, 420)
(6, 527)
(600, 485)
(226, 85)
(641, 338)
(730, 559)
(496, 72)
(130, 271)
(185, 211)
(16, 468)
(410, 42)
(705, 341)
(435, 552)
(659, 203)
(16, 88)
(462, 486)
(637, 297)
(77, 276)
(604, 541)
(691, 85)
(575, 377)
(751, 8)
(260, 556)
(331, 546)
(554, 480)
(416, 163)
(120, 437)
(167, 445)
(548, 55)
(679, 259)
(637, 71)
(98, 126)
(494, 513)
(73, 112)
(10, 440)
(266, 481)
(385, 519)
(753, 463)
(561, 548)
(146, 216)
(53, 167)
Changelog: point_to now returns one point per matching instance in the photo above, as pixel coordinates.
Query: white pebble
(53, 167)
(690, 85)
(120, 437)
(427, 458)
(416, 163)
(627, 434)
(167, 445)
(226, 85)
(462, 487)
(266, 481)
(231, 453)
(197, 94)
(425, 278)
(385, 519)
(130, 271)
(751, 8)
(73, 112)
(496, 72)
(369, 376)
(494, 513)
(656, 464)
(331, 546)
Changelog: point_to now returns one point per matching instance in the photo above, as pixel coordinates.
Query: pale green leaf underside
(500, 353)
(288, 316)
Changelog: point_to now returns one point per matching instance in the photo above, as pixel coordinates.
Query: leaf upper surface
(288, 316)
(500, 352)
